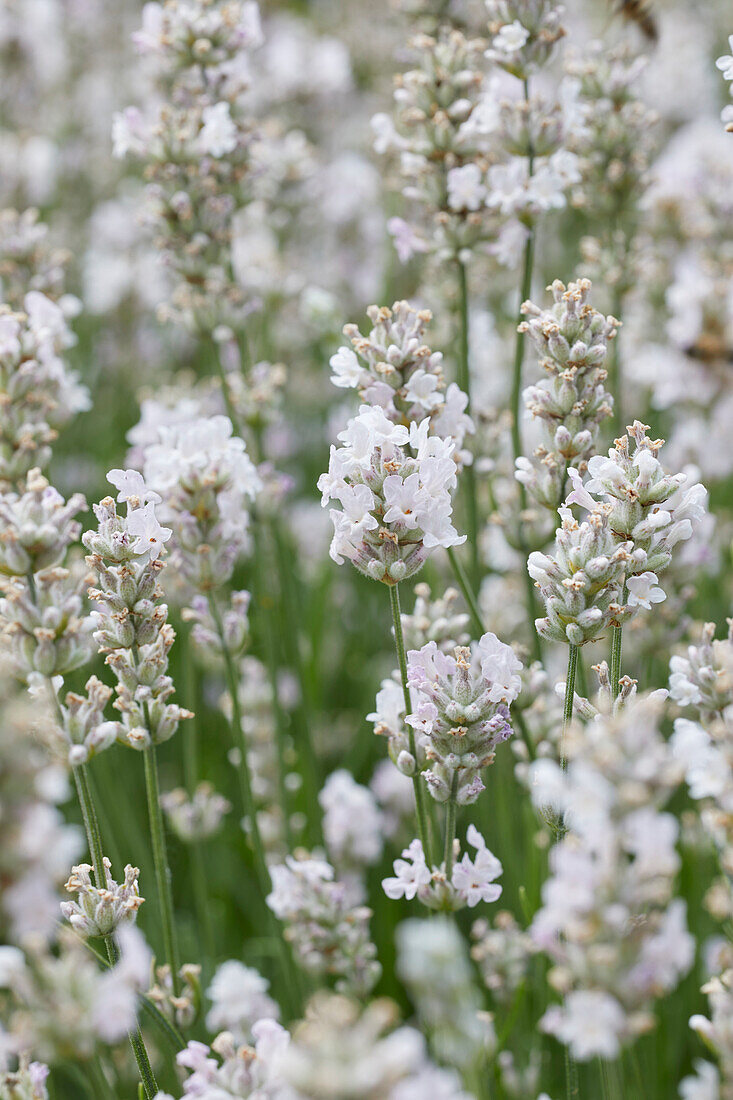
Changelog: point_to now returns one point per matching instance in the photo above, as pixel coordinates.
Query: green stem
(203, 908)
(162, 867)
(94, 840)
(616, 650)
(567, 713)
(525, 291)
(465, 586)
(614, 368)
(422, 822)
(245, 782)
(91, 825)
(450, 826)
(464, 381)
(147, 1077)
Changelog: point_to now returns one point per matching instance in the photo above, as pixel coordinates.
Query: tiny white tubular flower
(28, 1082)
(327, 927)
(99, 911)
(239, 998)
(466, 189)
(523, 35)
(472, 879)
(714, 1030)
(148, 535)
(461, 705)
(132, 488)
(218, 135)
(394, 485)
(644, 590)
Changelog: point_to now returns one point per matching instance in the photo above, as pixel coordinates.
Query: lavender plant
(205, 712)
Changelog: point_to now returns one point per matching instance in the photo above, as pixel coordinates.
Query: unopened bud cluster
(396, 504)
(99, 911)
(462, 706)
(131, 621)
(572, 339)
(43, 618)
(581, 581)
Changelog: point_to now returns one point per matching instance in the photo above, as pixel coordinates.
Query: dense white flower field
(367, 690)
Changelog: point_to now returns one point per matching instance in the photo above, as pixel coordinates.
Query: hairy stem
(450, 826)
(467, 591)
(292, 977)
(567, 713)
(616, 641)
(422, 822)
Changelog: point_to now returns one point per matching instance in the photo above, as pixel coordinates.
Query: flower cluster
(581, 582)
(99, 911)
(131, 622)
(197, 817)
(39, 392)
(503, 952)
(393, 368)
(29, 260)
(63, 1003)
(471, 880)
(443, 123)
(715, 1033)
(649, 510)
(524, 35)
(352, 822)
(239, 998)
(703, 681)
(205, 479)
(608, 920)
(339, 1041)
(572, 339)
(27, 1083)
(394, 484)
(462, 707)
(228, 1070)
(433, 963)
(44, 620)
(199, 145)
(329, 932)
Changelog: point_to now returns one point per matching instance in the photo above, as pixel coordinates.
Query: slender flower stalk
(616, 641)
(422, 821)
(464, 381)
(245, 783)
(162, 866)
(567, 714)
